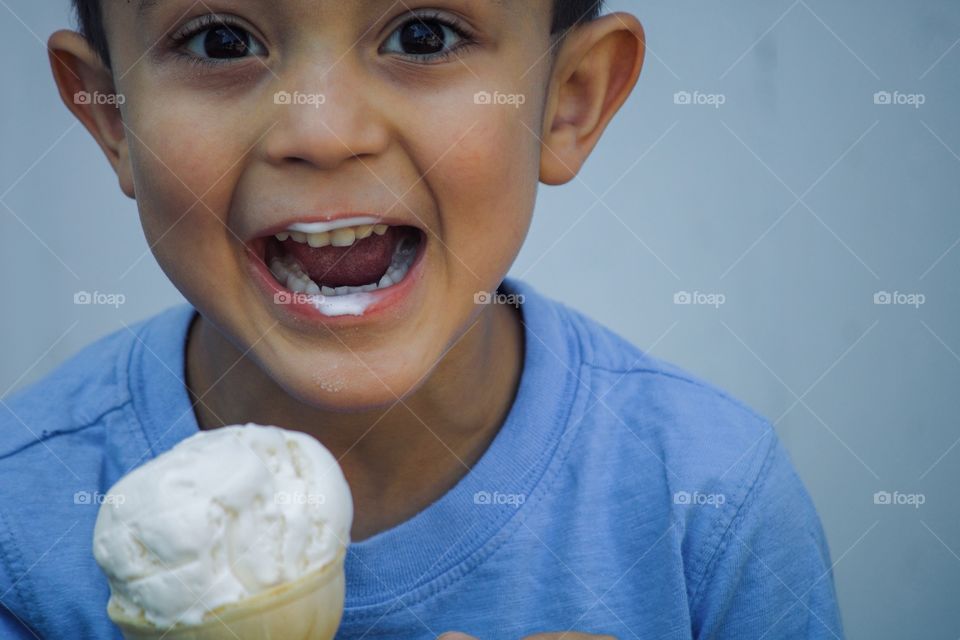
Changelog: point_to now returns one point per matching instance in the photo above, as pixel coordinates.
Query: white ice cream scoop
(227, 535)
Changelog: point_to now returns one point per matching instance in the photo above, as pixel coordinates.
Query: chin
(343, 383)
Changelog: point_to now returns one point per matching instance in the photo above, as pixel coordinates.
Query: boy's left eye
(424, 38)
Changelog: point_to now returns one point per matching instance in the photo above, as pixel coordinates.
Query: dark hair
(566, 14)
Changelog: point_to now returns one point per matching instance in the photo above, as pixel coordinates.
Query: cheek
(183, 186)
(486, 184)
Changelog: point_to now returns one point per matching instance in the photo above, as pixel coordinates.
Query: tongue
(363, 262)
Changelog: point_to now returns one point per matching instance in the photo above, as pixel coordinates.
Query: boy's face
(377, 115)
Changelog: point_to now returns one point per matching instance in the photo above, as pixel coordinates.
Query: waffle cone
(308, 608)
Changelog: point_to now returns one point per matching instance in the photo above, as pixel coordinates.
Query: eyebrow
(145, 6)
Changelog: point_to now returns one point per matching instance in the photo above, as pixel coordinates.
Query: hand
(566, 635)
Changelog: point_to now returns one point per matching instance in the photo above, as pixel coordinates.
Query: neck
(399, 459)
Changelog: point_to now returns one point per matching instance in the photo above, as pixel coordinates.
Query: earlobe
(86, 88)
(125, 171)
(597, 66)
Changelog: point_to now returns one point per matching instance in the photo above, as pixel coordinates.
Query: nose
(325, 117)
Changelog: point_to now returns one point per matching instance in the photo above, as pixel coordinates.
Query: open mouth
(340, 258)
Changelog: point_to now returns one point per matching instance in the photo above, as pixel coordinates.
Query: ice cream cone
(308, 608)
(192, 545)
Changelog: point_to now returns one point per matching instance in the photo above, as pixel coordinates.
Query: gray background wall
(797, 200)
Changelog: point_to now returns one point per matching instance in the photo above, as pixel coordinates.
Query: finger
(455, 635)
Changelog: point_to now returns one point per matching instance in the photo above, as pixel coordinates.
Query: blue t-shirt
(621, 496)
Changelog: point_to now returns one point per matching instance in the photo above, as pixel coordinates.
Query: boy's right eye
(214, 39)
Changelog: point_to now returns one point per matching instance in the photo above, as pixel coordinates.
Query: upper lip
(335, 221)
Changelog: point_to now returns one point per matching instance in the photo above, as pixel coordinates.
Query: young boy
(339, 189)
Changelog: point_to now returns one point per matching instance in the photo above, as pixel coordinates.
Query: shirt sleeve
(771, 575)
(12, 629)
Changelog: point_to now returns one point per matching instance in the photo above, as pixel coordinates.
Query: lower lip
(394, 299)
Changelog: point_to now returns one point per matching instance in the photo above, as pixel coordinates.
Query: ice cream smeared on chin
(223, 516)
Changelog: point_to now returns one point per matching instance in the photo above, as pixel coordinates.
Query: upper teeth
(339, 237)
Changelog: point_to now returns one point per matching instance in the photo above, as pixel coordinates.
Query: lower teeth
(289, 273)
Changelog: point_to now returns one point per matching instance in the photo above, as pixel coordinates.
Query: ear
(86, 87)
(595, 70)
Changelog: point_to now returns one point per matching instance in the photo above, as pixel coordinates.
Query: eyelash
(467, 38)
(179, 39)
(183, 36)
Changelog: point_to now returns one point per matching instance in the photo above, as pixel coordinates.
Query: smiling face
(246, 118)
(333, 184)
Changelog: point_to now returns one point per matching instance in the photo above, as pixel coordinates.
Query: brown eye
(223, 41)
(422, 38)
(425, 38)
